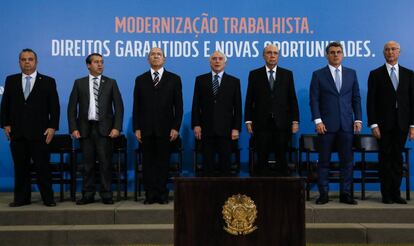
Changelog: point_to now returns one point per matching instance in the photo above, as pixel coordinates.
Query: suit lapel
(266, 78)
(36, 85)
(331, 79)
(102, 85)
(387, 77)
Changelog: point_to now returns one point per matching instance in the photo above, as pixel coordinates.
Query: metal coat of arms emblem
(239, 213)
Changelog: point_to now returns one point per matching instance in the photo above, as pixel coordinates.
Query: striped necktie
(156, 79)
(215, 84)
(95, 94)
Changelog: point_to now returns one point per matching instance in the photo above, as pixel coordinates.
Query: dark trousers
(155, 164)
(212, 145)
(96, 147)
(23, 151)
(326, 146)
(271, 140)
(391, 145)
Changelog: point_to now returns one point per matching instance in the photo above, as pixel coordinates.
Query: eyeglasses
(332, 52)
(391, 49)
(272, 53)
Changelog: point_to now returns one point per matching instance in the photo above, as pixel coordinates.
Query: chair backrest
(308, 142)
(366, 142)
(61, 143)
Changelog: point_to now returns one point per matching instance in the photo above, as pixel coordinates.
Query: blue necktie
(27, 87)
(338, 82)
(271, 80)
(394, 79)
(215, 84)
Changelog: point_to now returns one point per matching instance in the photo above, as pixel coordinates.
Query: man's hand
(173, 135)
(234, 134)
(7, 130)
(114, 133)
(197, 132)
(76, 134)
(357, 127)
(320, 128)
(295, 127)
(376, 132)
(138, 135)
(49, 133)
(411, 133)
(249, 127)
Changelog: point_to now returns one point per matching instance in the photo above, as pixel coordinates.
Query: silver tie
(338, 81)
(27, 87)
(394, 79)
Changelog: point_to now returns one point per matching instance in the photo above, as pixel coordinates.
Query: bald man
(157, 115)
(216, 115)
(391, 118)
(271, 112)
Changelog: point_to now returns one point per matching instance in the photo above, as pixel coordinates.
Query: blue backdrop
(64, 32)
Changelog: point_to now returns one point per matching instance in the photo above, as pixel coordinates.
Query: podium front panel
(279, 207)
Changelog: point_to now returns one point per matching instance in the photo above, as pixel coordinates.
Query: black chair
(308, 145)
(292, 158)
(175, 168)
(119, 166)
(61, 162)
(367, 144)
(198, 160)
(120, 169)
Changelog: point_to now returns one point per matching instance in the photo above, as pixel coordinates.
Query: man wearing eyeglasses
(336, 111)
(271, 112)
(391, 118)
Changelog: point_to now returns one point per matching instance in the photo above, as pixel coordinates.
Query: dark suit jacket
(382, 99)
(111, 107)
(30, 118)
(157, 110)
(337, 110)
(217, 115)
(259, 102)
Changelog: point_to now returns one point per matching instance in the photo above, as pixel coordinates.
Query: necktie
(271, 80)
(215, 84)
(27, 87)
(156, 79)
(394, 79)
(96, 93)
(338, 81)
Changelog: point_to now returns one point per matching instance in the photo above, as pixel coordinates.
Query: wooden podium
(257, 211)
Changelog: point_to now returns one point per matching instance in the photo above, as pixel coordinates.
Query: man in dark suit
(216, 114)
(157, 115)
(391, 118)
(336, 111)
(95, 115)
(30, 116)
(271, 112)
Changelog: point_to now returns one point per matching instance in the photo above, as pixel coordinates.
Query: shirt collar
(332, 68)
(389, 66)
(33, 75)
(268, 69)
(220, 74)
(160, 72)
(91, 77)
